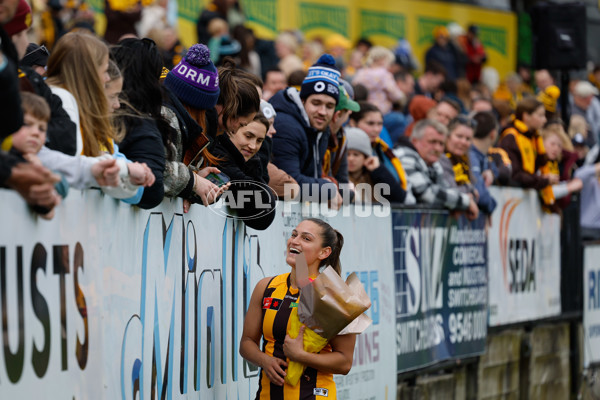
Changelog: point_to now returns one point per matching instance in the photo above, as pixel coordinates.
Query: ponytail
(330, 238)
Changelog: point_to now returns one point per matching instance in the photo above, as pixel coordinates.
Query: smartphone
(218, 179)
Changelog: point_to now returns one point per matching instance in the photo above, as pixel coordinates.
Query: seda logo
(245, 200)
(517, 252)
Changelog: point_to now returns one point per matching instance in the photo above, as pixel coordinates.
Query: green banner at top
(382, 23)
(189, 9)
(494, 38)
(315, 16)
(262, 12)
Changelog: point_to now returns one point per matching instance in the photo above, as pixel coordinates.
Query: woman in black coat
(249, 195)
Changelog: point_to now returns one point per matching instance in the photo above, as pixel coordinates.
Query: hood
(288, 101)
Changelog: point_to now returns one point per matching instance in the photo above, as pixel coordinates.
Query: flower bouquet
(328, 307)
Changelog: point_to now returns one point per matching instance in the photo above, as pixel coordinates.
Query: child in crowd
(578, 132)
(28, 141)
(80, 172)
(114, 86)
(364, 168)
(555, 142)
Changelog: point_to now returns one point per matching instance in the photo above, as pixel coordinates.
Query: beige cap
(585, 89)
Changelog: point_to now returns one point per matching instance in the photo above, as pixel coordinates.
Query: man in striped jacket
(425, 175)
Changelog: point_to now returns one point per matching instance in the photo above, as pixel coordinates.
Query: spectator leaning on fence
(61, 130)
(190, 110)
(590, 201)
(302, 125)
(457, 168)
(238, 159)
(205, 102)
(33, 182)
(77, 73)
(80, 172)
(485, 134)
(146, 128)
(420, 159)
(560, 160)
(525, 147)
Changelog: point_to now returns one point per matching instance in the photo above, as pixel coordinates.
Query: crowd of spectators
(140, 117)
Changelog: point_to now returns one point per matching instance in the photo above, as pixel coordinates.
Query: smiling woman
(456, 164)
(268, 314)
(249, 196)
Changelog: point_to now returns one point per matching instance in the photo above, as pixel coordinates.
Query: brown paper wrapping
(328, 305)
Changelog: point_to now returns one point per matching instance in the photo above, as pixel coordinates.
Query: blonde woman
(77, 72)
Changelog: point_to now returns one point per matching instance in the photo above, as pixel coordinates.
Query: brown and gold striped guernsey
(277, 303)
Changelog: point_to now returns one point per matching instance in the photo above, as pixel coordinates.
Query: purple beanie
(195, 80)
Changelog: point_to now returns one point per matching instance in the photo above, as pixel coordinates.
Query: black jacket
(143, 143)
(61, 132)
(11, 113)
(246, 176)
(298, 148)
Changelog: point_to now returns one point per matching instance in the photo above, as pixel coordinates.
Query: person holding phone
(249, 195)
(202, 103)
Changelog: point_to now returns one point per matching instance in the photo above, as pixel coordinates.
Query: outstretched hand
(35, 184)
(140, 174)
(106, 172)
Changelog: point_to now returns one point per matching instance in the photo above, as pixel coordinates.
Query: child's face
(32, 135)
(553, 147)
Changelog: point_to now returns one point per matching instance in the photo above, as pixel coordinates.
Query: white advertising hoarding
(524, 259)
(591, 305)
(107, 301)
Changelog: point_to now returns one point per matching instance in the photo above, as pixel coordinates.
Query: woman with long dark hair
(140, 112)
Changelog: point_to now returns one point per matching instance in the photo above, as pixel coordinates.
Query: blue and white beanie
(322, 78)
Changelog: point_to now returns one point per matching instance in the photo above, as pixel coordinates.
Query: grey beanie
(358, 140)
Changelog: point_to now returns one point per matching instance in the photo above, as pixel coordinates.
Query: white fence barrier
(107, 301)
(524, 259)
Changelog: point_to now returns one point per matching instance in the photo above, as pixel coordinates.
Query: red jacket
(476, 56)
